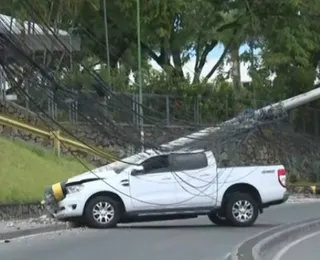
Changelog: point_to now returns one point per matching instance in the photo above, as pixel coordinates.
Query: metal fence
(168, 110)
(122, 108)
(306, 120)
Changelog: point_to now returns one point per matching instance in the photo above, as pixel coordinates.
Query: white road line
(33, 235)
(227, 256)
(292, 244)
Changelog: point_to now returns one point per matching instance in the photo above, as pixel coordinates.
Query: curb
(287, 235)
(235, 251)
(32, 231)
(250, 244)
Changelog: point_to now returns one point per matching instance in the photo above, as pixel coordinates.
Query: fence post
(168, 110)
(316, 122)
(134, 107)
(56, 142)
(199, 97)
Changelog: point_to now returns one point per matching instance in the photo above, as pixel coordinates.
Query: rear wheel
(102, 212)
(242, 209)
(218, 219)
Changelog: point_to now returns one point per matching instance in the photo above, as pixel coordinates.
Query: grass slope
(25, 170)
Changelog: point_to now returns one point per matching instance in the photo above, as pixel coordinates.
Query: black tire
(93, 203)
(218, 220)
(238, 220)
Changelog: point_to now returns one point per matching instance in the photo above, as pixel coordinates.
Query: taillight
(282, 176)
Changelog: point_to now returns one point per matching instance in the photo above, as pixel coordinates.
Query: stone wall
(245, 149)
(21, 211)
(299, 154)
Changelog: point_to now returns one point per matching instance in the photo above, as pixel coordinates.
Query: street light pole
(140, 78)
(107, 37)
(106, 34)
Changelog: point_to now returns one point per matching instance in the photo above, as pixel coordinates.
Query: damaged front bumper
(52, 196)
(63, 203)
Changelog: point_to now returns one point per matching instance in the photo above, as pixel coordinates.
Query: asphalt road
(306, 247)
(195, 239)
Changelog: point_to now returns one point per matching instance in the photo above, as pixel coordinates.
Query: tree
(170, 35)
(175, 31)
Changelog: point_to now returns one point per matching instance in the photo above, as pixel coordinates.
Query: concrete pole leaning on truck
(286, 104)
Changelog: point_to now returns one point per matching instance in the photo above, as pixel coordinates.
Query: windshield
(120, 166)
(120, 169)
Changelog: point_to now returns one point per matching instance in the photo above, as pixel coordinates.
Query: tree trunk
(235, 66)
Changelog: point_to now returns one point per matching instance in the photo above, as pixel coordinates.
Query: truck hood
(102, 172)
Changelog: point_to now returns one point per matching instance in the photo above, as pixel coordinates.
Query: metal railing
(58, 140)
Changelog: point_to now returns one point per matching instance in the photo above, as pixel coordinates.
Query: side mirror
(136, 172)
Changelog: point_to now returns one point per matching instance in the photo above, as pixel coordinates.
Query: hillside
(26, 169)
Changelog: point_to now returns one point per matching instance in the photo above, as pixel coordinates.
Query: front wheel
(102, 212)
(242, 210)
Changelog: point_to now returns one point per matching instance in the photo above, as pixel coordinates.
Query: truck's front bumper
(62, 206)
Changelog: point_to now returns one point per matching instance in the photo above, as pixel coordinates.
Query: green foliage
(217, 101)
(27, 169)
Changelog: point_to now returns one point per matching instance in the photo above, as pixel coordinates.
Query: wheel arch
(109, 194)
(242, 188)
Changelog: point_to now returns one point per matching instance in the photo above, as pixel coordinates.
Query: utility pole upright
(106, 37)
(140, 112)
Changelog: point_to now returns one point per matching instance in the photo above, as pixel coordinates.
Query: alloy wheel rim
(103, 212)
(242, 211)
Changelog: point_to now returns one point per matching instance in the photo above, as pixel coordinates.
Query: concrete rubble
(12, 225)
(11, 229)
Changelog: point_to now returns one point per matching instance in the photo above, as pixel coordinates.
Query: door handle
(125, 182)
(166, 178)
(203, 175)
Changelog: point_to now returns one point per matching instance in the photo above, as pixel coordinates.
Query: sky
(212, 59)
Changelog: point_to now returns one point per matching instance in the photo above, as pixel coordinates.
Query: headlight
(74, 188)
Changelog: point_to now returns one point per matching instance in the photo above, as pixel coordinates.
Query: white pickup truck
(169, 186)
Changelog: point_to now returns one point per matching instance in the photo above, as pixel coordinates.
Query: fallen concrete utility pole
(286, 105)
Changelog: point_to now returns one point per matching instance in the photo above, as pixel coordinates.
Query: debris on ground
(23, 224)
